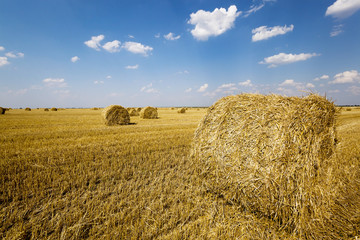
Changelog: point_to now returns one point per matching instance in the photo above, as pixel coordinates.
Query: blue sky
(88, 53)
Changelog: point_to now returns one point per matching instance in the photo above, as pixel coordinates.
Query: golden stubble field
(65, 175)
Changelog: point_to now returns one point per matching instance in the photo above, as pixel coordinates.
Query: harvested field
(72, 177)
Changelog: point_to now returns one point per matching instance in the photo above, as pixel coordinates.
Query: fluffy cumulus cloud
(343, 8)
(112, 47)
(346, 77)
(246, 83)
(323, 77)
(94, 42)
(137, 48)
(3, 61)
(99, 82)
(203, 88)
(170, 36)
(55, 82)
(75, 59)
(264, 32)
(283, 58)
(213, 23)
(2, 48)
(132, 67)
(310, 85)
(288, 82)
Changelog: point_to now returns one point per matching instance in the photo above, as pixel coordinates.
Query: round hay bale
(54, 109)
(183, 110)
(46, 109)
(138, 109)
(264, 153)
(115, 115)
(133, 112)
(2, 110)
(149, 113)
(27, 109)
(94, 108)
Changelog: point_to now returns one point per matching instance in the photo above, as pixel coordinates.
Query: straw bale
(138, 109)
(133, 112)
(265, 153)
(115, 115)
(149, 113)
(54, 109)
(2, 110)
(27, 109)
(182, 110)
(46, 109)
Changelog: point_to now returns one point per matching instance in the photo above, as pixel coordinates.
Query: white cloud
(246, 83)
(254, 9)
(112, 47)
(3, 61)
(95, 42)
(55, 82)
(264, 32)
(310, 85)
(108, 77)
(131, 36)
(18, 92)
(170, 36)
(227, 85)
(283, 58)
(149, 89)
(213, 23)
(137, 48)
(337, 29)
(288, 82)
(98, 82)
(355, 90)
(188, 90)
(75, 59)
(14, 55)
(343, 8)
(132, 67)
(2, 48)
(183, 72)
(203, 88)
(157, 35)
(323, 77)
(346, 77)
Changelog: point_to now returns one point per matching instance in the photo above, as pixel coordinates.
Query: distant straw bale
(116, 115)
(94, 108)
(133, 112)
(265, 153)
(27, 109)
(182, 110)
(149, 113)
(54, 109)
(46, 109)
(2, 110)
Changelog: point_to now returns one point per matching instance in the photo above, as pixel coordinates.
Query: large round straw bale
(264, 153)
(138, 109)
(2, 110)
(149, 113)
(27, 109)
(133, 112)
(182, 110)
(46, 109)
(54, 109)
(115, 115)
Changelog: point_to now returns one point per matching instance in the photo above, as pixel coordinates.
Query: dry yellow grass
(65, 175)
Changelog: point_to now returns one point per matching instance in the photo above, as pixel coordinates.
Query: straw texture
(115, 115)
(149, 113)
(272, 156)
